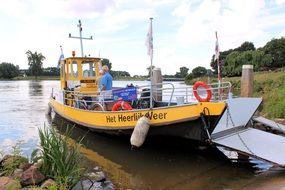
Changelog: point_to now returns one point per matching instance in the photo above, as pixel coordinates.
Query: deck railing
(164, 94)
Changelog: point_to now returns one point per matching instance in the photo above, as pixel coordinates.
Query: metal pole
(218, 62)
(80, 34)
(80, 37)
(151, 60)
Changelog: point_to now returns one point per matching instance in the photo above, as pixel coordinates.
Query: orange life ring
(121, 104)
(204, 85)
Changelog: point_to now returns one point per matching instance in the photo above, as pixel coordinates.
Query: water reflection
(35, 88)
(162, 163)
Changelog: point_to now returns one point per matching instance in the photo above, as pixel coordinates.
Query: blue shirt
(106, 81)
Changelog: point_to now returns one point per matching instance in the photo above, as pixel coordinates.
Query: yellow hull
(127, 119)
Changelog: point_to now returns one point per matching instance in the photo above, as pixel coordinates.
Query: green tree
(245, 46)
(51, 71)
(35, 61)
(199, 72)
(8, 70)
(276, 48)
(183, 72)
(235, 60)
(108, 63)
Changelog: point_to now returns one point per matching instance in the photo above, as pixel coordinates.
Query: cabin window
(88, 69)
(74, 69)
(69, 70)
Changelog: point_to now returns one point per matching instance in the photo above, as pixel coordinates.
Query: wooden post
(246, 87)
(157, 83)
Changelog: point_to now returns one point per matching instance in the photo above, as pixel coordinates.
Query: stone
(47, 183)
(31, 176)
(25, 166)
(17, 173)
(97, 176)
(107, 185)
(9, 183)
(97, 168)
(88, 185)
(9, 160)
(93, 185)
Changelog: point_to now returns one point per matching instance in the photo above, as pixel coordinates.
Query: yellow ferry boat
(79, 101)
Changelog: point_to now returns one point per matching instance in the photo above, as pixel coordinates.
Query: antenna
(80, 37)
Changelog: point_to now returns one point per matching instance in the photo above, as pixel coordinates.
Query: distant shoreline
(58, 78)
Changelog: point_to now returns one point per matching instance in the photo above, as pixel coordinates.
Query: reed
(60, 158)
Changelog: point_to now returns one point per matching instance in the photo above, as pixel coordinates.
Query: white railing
(164, 94)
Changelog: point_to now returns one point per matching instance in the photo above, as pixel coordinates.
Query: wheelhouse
(80, 74)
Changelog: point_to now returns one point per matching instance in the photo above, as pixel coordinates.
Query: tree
(245, 46)
(276, 48)
(235, 60)
(35, 61)
(199, 72)
(108, 63)
(8, 70)
(51, 71)
(120, 74)
(183, 72)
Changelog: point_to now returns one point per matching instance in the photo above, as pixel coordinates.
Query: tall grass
(60, 158)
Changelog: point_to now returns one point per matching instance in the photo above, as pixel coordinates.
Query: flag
(61, 57)
(149, 40)
(217, 49)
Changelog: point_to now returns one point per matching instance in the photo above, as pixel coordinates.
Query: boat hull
(182, 121)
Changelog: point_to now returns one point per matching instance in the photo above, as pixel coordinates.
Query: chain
(231, 119)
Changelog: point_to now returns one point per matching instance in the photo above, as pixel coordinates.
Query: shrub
(60, 158)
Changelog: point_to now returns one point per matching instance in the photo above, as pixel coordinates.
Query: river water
(161, 163)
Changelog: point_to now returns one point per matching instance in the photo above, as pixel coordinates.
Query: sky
(183, 30)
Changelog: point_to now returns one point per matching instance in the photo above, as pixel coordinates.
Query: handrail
(167, 91)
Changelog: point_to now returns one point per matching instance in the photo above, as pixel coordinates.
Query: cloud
(234, 21)
(279, 2)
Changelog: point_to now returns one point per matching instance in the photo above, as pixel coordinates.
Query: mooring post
(157, 83)
(246, 86)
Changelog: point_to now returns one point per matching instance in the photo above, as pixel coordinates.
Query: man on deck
(106, 81)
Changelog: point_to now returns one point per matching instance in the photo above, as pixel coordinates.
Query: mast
(150, 53)
(80, 37)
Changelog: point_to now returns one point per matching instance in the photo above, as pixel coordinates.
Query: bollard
(246, 86)
(157, 83)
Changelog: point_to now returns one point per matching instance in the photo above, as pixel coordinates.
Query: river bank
(56, 164)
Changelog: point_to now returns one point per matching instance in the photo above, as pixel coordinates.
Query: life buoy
(121, 104)
(199, 84)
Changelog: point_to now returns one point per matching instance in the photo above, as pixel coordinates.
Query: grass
(60, 158)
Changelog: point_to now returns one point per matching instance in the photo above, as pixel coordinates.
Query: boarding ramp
(233, 132)
(269, 123)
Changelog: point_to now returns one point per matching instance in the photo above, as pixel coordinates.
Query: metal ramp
(232, 132)
(269, 123)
